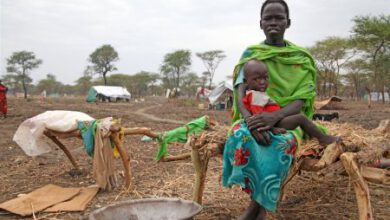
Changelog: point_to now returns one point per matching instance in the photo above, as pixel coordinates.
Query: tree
(371, 34)
(175, 65)
(211, 60)
(14, 82)
(83, 84)
(140, 84)
(21, 63)
(102, 59)
(50, 84)
(356, 76)
(191, 82)
(331, 55)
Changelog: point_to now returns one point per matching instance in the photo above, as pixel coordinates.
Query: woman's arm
(261, 137)
(266, 121)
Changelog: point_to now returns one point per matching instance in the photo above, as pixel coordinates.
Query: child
(257, 101)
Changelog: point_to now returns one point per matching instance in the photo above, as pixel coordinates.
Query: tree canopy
(102, 60)
(175, 66)
(371, 35)
(21, 63)
(211, 60)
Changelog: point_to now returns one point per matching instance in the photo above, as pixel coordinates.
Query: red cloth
(3, 99)
(255, 109)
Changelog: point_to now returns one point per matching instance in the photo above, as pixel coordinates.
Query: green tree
(21, 63)
(371, 34)
(139, 84)
(83, 84)
(102, 59)
(211, 60)
(191, 82)
(14, 82)
(50, 84)
(356, 76)
(331, 55)
(175, 66)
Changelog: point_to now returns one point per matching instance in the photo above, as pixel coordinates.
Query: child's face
(257, 78)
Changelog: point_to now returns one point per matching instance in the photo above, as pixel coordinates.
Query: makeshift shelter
(111, 93)
(221, 97)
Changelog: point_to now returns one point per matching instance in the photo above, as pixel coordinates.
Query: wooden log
(331, 153)
(376, 175)
(200, 163)
(142, 130)
(125, 158)
(384, 126)
(62, 147)
(175, 158)
(360, 186)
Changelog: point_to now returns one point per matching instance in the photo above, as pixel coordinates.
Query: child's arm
(241, 93)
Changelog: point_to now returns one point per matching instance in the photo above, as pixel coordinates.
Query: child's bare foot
(277, 131)
(251, 212)
(327, 139)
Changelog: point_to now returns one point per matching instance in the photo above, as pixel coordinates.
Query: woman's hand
(261, 137)
(262, 122)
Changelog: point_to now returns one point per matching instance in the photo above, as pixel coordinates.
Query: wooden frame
(114, 136)
(211, 143)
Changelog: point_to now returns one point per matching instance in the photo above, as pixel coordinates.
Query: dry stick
(125, 158)
(376, 175)
(62, 147)
(143, 130)
(33, 212)
(361, 188)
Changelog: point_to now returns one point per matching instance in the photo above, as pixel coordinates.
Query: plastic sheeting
(219, 90)
(108, 91)
(29, 135)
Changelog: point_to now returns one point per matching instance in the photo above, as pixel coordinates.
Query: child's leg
(293, 121)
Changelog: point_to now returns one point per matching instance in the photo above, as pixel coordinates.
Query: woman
(3, 99)
(261, 168)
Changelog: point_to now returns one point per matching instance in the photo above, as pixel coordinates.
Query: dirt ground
(307, 195)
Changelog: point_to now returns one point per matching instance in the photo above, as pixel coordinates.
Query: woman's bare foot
(251, 212)
(262, 214)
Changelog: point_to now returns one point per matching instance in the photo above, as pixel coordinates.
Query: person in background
(3, 99)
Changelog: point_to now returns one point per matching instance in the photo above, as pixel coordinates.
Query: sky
(64, 32)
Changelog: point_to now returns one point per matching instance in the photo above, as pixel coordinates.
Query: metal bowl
(148, 209)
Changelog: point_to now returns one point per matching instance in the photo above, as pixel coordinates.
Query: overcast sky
(64, 32)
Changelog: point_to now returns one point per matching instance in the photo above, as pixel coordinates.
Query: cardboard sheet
(39, 199)
(77, 203)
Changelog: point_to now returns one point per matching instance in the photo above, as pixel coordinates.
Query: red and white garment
(257, 102)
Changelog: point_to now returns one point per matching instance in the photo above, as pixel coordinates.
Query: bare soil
(307, 195)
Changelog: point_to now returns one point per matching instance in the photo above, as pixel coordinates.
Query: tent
(216, 93)
(111, 92)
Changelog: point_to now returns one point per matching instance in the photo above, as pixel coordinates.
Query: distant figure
(43, 95)
(3, 99)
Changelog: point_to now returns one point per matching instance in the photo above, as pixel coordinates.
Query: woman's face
(274, 21)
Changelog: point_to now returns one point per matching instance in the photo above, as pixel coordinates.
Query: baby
(257, 101)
